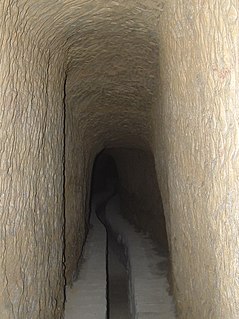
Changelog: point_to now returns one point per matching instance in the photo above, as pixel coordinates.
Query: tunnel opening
(130, 172)
(130, 175)
(126, 178)
(105, 178)
(104, 185)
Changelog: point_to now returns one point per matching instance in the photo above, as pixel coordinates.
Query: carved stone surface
(79, 76)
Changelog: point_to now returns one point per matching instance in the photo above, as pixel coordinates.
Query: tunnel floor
(116, 284)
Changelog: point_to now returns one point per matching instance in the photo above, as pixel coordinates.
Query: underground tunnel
(152, 86)
(130, 176)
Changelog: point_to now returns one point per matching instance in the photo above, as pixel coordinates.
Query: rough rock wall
(140, 195)
(110, 53)
(31, 187)
(42, 43)
(196, 149)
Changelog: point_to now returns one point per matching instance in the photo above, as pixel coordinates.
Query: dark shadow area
(105, 182)
(140, 197)
(131, 174)
(105, 177)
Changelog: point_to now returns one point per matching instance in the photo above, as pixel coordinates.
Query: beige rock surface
(79, 76)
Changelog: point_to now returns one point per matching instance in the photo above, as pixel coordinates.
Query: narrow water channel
(118, 283)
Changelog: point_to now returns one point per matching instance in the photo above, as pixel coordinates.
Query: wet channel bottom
(118, 284)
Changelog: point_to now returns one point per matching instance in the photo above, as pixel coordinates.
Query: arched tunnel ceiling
(113, 78)
(62, 21)
(111, 49)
